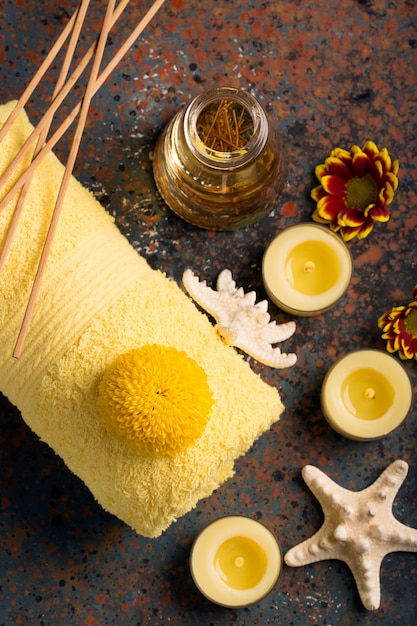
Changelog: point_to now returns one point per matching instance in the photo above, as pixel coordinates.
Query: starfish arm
(327, 492)
(319, 547)
(225, 284)
(273, 332)
(401, 538)
(225, 281)
(379, 542)
(210, 300)
(249, 298)
(255, 339)
(262, 305)
(386, 487)
(366, 572)
(323, 545)
(263, 352)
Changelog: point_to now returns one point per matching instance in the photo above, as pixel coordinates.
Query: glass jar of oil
(219, 163)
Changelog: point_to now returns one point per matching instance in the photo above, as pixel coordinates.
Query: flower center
(361, 191)
(411, 323)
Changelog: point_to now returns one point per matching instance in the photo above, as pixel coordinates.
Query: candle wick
(309, 266)
(369, 393)
(239, 561)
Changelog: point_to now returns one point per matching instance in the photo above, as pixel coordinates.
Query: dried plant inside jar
(219, 163)
(225, 125)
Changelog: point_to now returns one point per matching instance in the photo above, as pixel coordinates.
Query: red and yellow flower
(399, 326)
(355, 189)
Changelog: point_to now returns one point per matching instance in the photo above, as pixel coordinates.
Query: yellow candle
(306, 269)
(240, 562)
(366, 395)
(235, 561)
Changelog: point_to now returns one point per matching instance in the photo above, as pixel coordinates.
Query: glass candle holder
(235, 561)
(219, 163)
(306, 269)
(366, 395)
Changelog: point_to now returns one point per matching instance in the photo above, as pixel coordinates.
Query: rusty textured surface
(329, 76)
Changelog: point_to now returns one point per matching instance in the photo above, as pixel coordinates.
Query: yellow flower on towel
(156, 398)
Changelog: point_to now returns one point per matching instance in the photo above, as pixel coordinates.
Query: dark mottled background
(331, 74)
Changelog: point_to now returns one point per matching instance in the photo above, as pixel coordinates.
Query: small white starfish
(359, 528)
(241, 322)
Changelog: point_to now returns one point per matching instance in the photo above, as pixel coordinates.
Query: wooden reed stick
(37, 77)
(89, 92)
(95, 82)
(70, 118)
(48, 116)
(80, 16)
(69, 55)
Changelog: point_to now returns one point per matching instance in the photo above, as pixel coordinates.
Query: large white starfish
(241, 321)
(359, 528)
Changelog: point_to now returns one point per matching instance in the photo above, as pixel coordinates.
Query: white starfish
(241, 322)
(359, 528)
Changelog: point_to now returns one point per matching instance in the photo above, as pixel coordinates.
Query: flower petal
(371, 149)
(377, 171)
(397, 311)
(392, 179)
(406, 347)
(386, 194)
(349, 233)
(317, 193)
(334, 185)
(337, 167)
(352, 218)
(334, 226)
(369, 208)
(341, 153)
(321, 170)
(397, 342)
(360, 163)
(328, 207)
(378, 213)
(382, 321)
(317, 218)
(385, 157)
(367, 227)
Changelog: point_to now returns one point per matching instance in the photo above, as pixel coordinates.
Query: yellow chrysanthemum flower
(156, 398)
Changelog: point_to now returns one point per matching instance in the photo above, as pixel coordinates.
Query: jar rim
(235, 158)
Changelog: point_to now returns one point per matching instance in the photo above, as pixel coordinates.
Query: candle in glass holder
(366, 395)
(235, 561)
(306, 269)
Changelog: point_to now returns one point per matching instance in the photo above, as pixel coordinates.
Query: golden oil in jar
(219, 163)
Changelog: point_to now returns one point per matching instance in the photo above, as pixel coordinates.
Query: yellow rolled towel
(100, 299)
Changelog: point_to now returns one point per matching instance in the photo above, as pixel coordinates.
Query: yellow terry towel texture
(98, 299)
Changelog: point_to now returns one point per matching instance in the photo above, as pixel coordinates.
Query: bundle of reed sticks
(40, 143)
